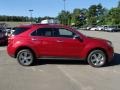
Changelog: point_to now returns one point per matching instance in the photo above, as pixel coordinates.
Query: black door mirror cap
(78, 37)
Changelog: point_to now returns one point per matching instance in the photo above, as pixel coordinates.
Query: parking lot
(62, 75)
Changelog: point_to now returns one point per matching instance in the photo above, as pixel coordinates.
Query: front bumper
(110, 54)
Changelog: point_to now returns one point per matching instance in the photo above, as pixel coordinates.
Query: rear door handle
(60, 41)
(34, 39)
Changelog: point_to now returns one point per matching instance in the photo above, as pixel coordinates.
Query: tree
(64, 17)
(78, 17)
(14, 18)
(113, 17)
(95, 14)
(75, 16)
(119, 4)
(39, 19)
(83, 17)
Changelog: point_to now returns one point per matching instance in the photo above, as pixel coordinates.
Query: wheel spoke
(23, 61)
(27, 61)
(95, 56)
(21, 57)
(25, 54)
(93, 60)
(28, 57)
(100, 56)
(97, 62)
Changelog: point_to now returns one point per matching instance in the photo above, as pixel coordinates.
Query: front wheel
(97, 58)
(25, 57)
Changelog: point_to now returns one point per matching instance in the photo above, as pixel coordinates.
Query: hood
(97, 39)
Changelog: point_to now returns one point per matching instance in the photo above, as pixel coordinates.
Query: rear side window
(19, 30)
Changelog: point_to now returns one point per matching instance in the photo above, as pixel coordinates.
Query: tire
(97, 58)
(25, 57)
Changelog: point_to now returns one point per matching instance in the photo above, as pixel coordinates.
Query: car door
(45, 43)
(70, 47)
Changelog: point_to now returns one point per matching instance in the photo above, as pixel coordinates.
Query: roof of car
(38, 24)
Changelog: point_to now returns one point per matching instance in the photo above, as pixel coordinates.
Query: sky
(47, 7)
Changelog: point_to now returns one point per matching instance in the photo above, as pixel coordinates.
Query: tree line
(94, 15)
(14, 18)
(23, 18)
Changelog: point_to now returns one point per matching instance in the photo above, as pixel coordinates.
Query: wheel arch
(97, 48)
(24, 47)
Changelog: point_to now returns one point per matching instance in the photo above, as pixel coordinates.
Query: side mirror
(77, 37)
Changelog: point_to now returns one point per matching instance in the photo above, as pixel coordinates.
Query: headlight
(109, 43)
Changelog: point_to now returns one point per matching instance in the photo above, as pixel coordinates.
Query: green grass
(14, 24)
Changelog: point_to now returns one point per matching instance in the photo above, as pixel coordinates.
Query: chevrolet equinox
(29, 42)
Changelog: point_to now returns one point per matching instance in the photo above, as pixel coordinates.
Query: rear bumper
(11, 51)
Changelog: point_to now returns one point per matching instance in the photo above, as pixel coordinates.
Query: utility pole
(65, 18)
(31, 12)
(64, 5)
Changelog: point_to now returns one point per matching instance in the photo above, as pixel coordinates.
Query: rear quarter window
(19, 30)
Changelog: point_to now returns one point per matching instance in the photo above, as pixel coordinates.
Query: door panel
(70, 47)
(45, 43)
(48, 46)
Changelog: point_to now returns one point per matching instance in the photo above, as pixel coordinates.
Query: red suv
(29, 42)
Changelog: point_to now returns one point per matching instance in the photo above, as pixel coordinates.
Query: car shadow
(116, 60)
(60, 62)
(3, 45)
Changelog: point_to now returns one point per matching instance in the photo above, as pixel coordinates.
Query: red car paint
(56, 46)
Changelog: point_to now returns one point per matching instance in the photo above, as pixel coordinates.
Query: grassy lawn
(13, 24)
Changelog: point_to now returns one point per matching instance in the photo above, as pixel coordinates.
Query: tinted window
(34, 33)
(63, 33)
(43, 32)
(19, 30)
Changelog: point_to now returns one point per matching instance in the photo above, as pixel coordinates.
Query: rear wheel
(97, 58)
(25, 57)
